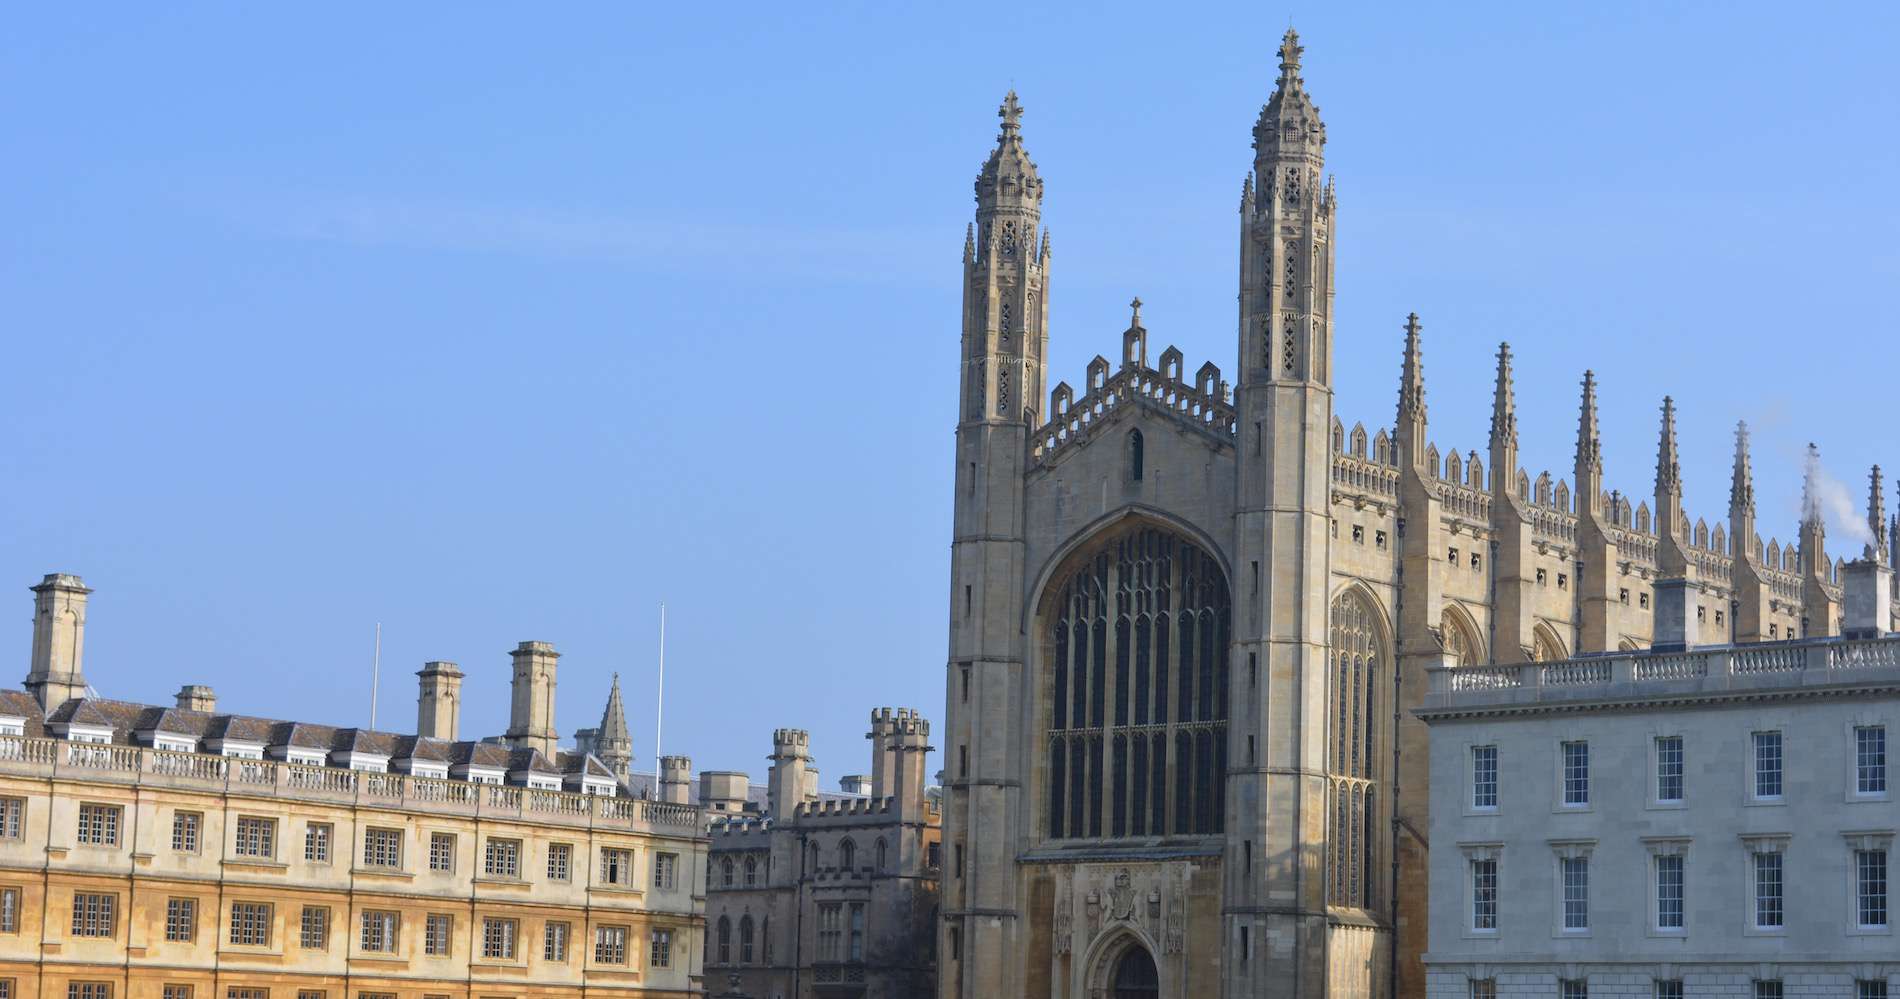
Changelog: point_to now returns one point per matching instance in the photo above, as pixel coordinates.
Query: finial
(1412, 376)
(1135, 308)
(1012, 114)
(1668, 468)
(1290, 50)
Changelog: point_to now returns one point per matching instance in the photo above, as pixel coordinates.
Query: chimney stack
(197, 697)
(791, 781)
(1676, 625)
(439, 702)
(883, 751)
(59, 640)
(675, 778)
(531, 714)
(1867, 582)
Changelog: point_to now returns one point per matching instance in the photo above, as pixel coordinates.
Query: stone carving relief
(1093, 904)
(1064, 921)
(1121, 897)
(1177, 920)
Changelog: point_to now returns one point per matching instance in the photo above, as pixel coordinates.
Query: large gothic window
(1137, 628)
(1357, 661)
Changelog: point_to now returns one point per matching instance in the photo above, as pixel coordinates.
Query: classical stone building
(816, 895)
(1692, 820)
(180, 852)
(1188, 624)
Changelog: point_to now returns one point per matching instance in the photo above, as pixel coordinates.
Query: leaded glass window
(1138, 628)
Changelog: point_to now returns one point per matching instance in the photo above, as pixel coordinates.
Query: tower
(1276, 795)
(59, 641)
(613, 745)
(1005, 339)
(531, 712)
(789, 784)
(439, 702)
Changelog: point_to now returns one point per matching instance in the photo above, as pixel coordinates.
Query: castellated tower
(531, 713)
(900, 745)
(439, 702)
(59, 641)
(793, 781)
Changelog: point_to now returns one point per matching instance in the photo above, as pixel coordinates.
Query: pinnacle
(1011, 112)
(1290, 51)
(1135, 307)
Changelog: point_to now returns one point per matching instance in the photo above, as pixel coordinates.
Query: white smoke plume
(1834, 502)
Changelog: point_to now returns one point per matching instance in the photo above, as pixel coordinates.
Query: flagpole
(660, 701)
(375, 675)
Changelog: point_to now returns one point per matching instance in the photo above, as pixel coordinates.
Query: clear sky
(495, 323)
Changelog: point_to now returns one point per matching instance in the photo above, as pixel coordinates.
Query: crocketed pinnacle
(1741, 487)
(1811, 487)
(1289, 122)
(1668, 466)
(1589, 444)
(1009, 176)
(1876, 517)
(1504, 402)
(1412, 372)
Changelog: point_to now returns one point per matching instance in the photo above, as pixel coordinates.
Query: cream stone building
(1690, 820)
(154, 852)
(1188, 620)
(811, 895)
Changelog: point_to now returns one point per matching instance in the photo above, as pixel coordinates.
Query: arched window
(813, 867)
(847, 855)
(1356, 717)
(725, 872)
(1135, 455)
(881, 858)
(725, 940)
(751, 871)
(1136, 631)
(745, 940)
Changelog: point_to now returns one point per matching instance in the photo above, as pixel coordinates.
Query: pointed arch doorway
(1135, 975)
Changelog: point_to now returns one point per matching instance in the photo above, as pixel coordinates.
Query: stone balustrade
(1764, 669)
(83, 761)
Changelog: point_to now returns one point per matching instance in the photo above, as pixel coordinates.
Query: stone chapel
(1189, 619)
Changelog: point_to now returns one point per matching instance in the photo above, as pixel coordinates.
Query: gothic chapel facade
(1187, 624)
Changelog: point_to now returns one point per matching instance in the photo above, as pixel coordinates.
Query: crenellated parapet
(1202, 406)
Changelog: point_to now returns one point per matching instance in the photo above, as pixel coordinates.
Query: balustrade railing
(106, 761)
(1823, 660)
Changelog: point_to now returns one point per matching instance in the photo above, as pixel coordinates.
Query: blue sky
(493, 326)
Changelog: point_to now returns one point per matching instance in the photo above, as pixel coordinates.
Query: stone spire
(1819, 609)
(614, 745)
(1411, 416)
(1008, 179)
(1741, 499)
(1813, 531)
(1589, 470)
(1503, 425)
(1876, 518)
(1289, 128)
(1668, 467)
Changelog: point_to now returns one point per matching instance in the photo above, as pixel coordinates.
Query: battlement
(844, 808)
(892, 722)
(790, 742)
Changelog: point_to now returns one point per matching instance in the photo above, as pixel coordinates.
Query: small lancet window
(1136, 456)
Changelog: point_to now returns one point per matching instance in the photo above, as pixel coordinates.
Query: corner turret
(57, 674)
